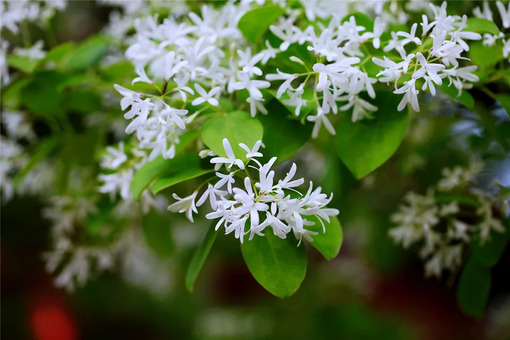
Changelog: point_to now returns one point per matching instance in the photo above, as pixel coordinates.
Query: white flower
(230, 159)
(247, 62)
(142, 76)
(227, 179)
(256, 105)
(427, 68)
(320, 119)
(485, 14)
(186, 204)
(296, 99)
(114, 158)
(409, 37)
(252, 86)
(212, 193)
(332, 71)
(118, 181)
(206, 97)
(288, 182)
(254, 152)
(182, 87)
(410, 96)
(286, 85)
(174, 116)
(504, 13)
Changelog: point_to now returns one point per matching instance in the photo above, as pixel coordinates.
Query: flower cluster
(14, 12)
(437, 54)
(259, 202)
(444, 227)
(194, 61)
(490, 40)
(197, 60)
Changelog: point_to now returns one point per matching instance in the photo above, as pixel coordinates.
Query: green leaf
(11, 95)
(41, 151)
(483, 56)
(256, 22)
(474, 287)
(504, 100)
(200, 256)
(164, 167)
(42, 96)
(83, 100)
(278, 265)
(121, 70)
(146, 174)
(479, 25)
(490, 253)
(88, 53)
(157, 234)
(59, 52)
(22, 63)
(283, 135)
(327, 243)
(167, 181)
(237, 127)
(465, 97)
(365, 145)
(361, 20)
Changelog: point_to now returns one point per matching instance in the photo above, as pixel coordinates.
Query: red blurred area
(49, 318)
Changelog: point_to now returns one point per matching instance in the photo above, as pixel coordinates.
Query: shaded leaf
(327, 243)
(283, 136)
(200, 256)
(365, 145)
(160, 166)
(465, 97)
(42, 96)
(22, 63)
(146, 174)
(237, 127)
(157, 234)
(88, 53)
(167, 181)
(483, 56)
(278, 265)
(361, 20)
(504, 100)
(256, 22)
(481, 25)
(474, 287)
(489, 253)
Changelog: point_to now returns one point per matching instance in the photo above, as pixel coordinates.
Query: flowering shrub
(215, 96)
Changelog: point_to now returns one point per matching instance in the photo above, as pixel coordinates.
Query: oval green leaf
(465, 97)
(200, 256)
(327, 243)
(22, 63)
(146, 174)
(365, 145)
(42, 97)
(255, 23)
(474, 288)
(88, 53)
(278, 265)
(504, 100)
(237, 127)
(489, 253)
(166, 167)
(157, 234)
(167, 181)
(485, 57)
(283, 136)
(480, 25)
